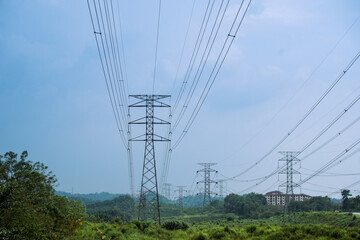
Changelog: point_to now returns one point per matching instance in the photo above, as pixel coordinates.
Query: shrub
(335, 234)
(199, 236)
(251, 228)
(175, 225)
(230, 218)
(217, 234)
(141, 225)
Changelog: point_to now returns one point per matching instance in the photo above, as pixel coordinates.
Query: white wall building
(278, 198)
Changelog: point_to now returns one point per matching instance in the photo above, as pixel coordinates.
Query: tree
(313, 204)
(249, 206)
(345, 193)
(28, 204)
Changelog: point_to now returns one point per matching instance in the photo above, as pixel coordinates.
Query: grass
(313, 225)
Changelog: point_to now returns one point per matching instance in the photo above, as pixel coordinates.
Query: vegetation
(314, 204)
(122, 207)
(248, 206)
(90, 196)
(29, 208)
(208, 231)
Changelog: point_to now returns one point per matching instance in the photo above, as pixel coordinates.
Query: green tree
(345, 193)
(313, 204)
(248, 206)
(29, 208)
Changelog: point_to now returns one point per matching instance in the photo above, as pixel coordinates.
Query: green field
(313, 225)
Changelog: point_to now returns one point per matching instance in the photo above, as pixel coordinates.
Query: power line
(296, 92)
(122, 47)
(112, 62)
(202, 62)
(347, 187)
(167, 155)
(330, 125)
(122, 85)
(305, 116)
(156, 47)
(318, 185)
(215, 71)
(329, 164)
(330, 174)
(117, 65)
(113, 72)
(192, 57)
(263, 179)
(183, 46)
(192, 88)
(107, 78)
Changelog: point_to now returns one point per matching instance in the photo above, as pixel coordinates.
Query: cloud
(280, 12)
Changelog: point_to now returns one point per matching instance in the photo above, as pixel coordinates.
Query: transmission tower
(181, 190)
(207, 181)
(167, 190)
(129, 155)
(149, 196)
(221, 187)
(289, 157)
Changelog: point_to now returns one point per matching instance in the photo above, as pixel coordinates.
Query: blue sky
(54, 101)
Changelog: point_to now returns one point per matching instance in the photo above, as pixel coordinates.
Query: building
(278, 198)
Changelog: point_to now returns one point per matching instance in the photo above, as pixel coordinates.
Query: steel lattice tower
(167, 190)
(207, 181)
(221, 187)
(289, 157)
(149, 196)
(181, 190)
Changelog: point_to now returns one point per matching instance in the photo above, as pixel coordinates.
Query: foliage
(28, 206)
(345, 197)
(313, 204)
(141, 225)
(175, 225)
(328, 218)
(248, 206)
(208, 232)
(122, 207)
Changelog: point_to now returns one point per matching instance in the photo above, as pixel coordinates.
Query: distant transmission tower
(167, 190)
(289, 157)
(149, 196)
(181, 190)
(207, 181)
(221, 187)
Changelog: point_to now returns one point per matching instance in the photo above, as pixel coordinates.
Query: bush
(266, 214)
(217, 234)
(175, 225)
(199, 236)
(251, 228)
(141, 225)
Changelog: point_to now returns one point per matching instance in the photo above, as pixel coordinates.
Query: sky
(55, 105)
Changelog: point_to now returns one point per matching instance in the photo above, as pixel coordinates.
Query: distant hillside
(189, 201)
(122, 207)
(335, 200)
(91, 196)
